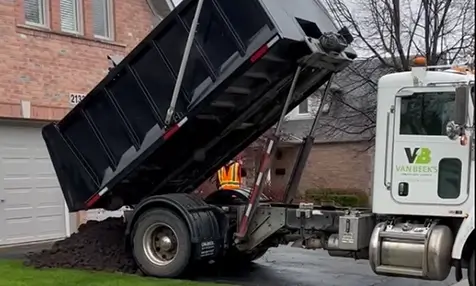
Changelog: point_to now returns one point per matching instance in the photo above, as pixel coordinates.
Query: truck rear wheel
(161, 243)
(472, 269)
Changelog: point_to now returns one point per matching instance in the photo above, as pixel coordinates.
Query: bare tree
(388, 34)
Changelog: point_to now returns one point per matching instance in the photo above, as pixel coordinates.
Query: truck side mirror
(461, 105)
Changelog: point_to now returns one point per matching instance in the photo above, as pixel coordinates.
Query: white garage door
(31, 203)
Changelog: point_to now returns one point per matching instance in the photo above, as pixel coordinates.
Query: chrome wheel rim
(160, 244)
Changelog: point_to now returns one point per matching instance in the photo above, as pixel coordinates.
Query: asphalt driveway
(285, 266)
(18, 252)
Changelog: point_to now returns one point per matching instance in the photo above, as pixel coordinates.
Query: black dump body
(114, 146)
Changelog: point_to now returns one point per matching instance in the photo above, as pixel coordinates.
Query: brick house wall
(346, 165)
(41, 66)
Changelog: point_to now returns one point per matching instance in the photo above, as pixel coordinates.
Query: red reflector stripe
(259, 53)
(263, 50)
(171, 132)
(174, 128)
(92, 200)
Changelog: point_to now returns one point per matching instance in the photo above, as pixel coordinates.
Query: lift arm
(304, 151)
(183, 64)
(265, 163)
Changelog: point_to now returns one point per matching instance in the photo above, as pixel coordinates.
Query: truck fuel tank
(411, 250)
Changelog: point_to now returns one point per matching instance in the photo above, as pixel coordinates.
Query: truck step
(245, 125)
(274, 58)
(208, 117)
(223, 104)
(238, 90)
(150, 168)
(257, 75)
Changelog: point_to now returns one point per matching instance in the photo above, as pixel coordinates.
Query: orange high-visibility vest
(229, 177)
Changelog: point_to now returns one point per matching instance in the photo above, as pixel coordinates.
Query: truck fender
(206, 223)
(464, 232)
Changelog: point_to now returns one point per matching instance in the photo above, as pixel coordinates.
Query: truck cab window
(449, 178)
(426, 113)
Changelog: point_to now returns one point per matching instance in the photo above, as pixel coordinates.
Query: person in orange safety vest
(229, 177)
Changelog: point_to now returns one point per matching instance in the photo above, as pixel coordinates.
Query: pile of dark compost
(98, 246)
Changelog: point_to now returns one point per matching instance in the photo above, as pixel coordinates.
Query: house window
(303, 107)
(103, 19)
(36, 12)
(71, 16)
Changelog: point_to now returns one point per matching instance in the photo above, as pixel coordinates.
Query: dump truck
(213, 77)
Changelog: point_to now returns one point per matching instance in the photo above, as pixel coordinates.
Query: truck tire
(161, 244)
(472, 269)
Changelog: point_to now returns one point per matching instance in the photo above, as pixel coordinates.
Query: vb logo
(418, 155)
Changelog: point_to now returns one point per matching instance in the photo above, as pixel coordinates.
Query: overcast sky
(358, 14)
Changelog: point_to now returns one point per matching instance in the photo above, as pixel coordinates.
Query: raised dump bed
(114, 149)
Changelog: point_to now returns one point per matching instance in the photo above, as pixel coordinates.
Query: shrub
(337, 196)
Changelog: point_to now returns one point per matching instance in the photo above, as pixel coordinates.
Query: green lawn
(13, 273)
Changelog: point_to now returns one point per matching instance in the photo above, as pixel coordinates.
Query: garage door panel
(17, 152)
(15, 168)
(19, 231)
(45, 210)
(22, 214)
(47, 184)
(44, 168)
(19, 213)
(51, 206)
(44, 223)
(33, 209)
(25, 229)
(17, 197)
(12, 186)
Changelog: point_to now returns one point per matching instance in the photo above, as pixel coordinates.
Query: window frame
(109, 15)
(326, 108)
(440, 179)
(79, 18)
(307, 107)
(45, 15)
(421, 95)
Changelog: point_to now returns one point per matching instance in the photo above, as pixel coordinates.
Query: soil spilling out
(98, 246)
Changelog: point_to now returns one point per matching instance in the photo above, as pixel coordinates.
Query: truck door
(427, 166)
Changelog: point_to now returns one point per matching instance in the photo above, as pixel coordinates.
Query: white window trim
(110, 18)
(170, 4)
(46, 16)
(295, 115)
(79, 19)
(327, 107)
(303, 113)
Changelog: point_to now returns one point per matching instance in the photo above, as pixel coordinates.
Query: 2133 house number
(75, 98)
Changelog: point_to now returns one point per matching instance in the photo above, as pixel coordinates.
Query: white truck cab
(424, 172)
